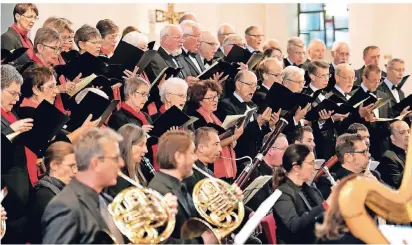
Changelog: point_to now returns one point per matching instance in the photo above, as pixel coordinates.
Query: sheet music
(231, 120)
(254, 187)
(82, 84)
(254, 221)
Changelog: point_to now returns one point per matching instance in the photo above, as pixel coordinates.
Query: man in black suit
(392, 164)
(176, 155)
(237, 103)
(271, 72)
(76, 215)
(296, 49)
(390, 85)
(223, 31)
(254, 37)
(193, 64)
(371, 55)
(207, 49)
(272, 160)
(354, 155)
(168, 54)
(340, 54)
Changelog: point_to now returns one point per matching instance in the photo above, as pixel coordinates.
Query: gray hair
(291, 71)
(84, 92)
(170, 83)
(188, 25)
(229, 40)
(295, 41)
(90, 145)
(314, 41)
(337, 44)
(395, 60)
(166, 30)
(220, 30)
(10, 75)
(341, 67)
(136, 39)
(131, 85)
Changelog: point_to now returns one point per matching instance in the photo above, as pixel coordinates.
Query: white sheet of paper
(397, 234)
(255, 186)
(254, 221)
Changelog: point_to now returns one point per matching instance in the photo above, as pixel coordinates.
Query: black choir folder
(238, 54)
(280, 97)
(47, 122)
(173, 117)
(94, 104)
(218, 67)
(12, 55)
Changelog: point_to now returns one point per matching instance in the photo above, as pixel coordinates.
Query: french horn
(390, 204)
(142, 214)
(217, 205)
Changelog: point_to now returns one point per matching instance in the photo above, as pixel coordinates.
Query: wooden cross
(170, 15)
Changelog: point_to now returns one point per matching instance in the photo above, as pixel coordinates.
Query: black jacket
(190, 67)
(251, 140)
(10, 40)
(73, 216)
(295, 218)
(122, 117)
(45, 190)
(392, 166)
(384, 88)
(164, 184)
(162, 60)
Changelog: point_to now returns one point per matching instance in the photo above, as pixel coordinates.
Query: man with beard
(392, 165)
(175, 156)
(168, 54)
(340, 54)
(238, 103)
(192, 61)
(254, 37)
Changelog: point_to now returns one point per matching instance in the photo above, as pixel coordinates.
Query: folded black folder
(8, 56)
(173, 117)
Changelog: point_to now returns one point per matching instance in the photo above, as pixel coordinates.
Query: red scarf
(25, 40)
(31, 158)
(105, 52)
(152, 109)
(58, 103)
(162, 109)
(223, 168)
(139, 115)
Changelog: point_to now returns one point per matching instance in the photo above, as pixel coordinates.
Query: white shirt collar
(186, 51)
(290, 62)
(250, 48)
(388, 83)
(167, 52)
(264, 85)
(313, 87)
(365, 89)
(238, 97)
(340, 90)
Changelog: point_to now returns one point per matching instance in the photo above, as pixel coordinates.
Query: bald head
(224, 31)
(344, 76)
(246, 83)
(208, 45)
(188, 16)
(316, 50)
(340, 53)
(400, 134)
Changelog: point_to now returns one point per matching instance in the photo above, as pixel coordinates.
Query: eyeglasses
(53, 87)
(298, 82)
(31, 17)
(13, 93)
(324, 76)
(364, 152)
(377, 81)
(177, 37)
(226, 34)
(349, 78)
(195, 36)
(113, 37)
(210, 43)
(299, 53)
(275, 75)
(57, 50)
(96, 42)
(182, 96)
(279, 148)
(143, 94)
(251, 85)
(213, 98)
(72, 166)
(256, 35)
(114, 159)
(403, 70)
(67, 38)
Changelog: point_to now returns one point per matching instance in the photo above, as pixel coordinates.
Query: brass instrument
(217, 204)
(329, 175)
(390, 204)
(141, 214)
(3, 222)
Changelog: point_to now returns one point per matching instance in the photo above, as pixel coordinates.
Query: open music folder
(254, 187)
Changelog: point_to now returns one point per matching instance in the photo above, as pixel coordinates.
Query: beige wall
(385, 25)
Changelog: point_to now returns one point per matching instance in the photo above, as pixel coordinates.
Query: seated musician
(133, 148)
(299, 205)
(353, 153)
(60, 167)
(205, 98)
(175, 156)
